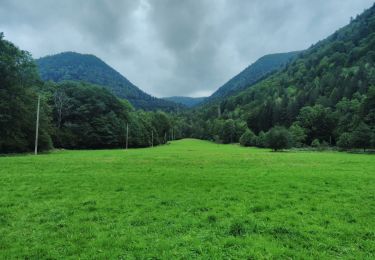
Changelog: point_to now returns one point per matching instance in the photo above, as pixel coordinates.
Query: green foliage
(261, 140)
(361, 136)
(345, 141)
(318, 122)
(253, 73)
(278, 138)
(248, 139)
(298, 135)
(19, 87)
(228, 132)
(186, 101)
(315, 143)
(87, 116)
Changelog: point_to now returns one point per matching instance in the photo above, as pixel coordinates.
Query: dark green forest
(257, 71)
(73, 115)
(321, 97)
(325, 97)
(187, 101)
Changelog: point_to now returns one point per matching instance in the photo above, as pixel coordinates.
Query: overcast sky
(174, 47)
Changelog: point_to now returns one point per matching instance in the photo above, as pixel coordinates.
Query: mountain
(253, 73)
(89, 68)
(325, 95)
(186, 101)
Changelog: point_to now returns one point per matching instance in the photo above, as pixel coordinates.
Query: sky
(174, 47)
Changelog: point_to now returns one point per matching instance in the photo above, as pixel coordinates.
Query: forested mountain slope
(328, 91)
(89, 68)
(253, 73)
(187, 101)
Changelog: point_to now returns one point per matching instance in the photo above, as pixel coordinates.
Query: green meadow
(188, 199)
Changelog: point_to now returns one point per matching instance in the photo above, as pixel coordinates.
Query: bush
(315, 143)
(248, 138)
(298, 135)
(344, 141)
(361, 137)
(278, 138)
(260, 140)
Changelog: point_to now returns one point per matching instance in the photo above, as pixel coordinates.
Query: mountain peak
(89, 68)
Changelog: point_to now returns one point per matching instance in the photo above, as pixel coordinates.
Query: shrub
(298, 135)
(315, 143)
(278, 138)
(248, 138)
(361, 137)
(260, 140)
(344, 141)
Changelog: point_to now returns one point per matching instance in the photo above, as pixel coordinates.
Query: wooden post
(127, 136)
(37, 126)
(152, 138)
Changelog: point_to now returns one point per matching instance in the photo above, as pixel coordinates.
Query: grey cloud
(170, 47)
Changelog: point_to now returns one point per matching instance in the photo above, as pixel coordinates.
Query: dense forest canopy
(252, 74)
(74, 115)
(326, 93)
(324, 96)
(186, 101)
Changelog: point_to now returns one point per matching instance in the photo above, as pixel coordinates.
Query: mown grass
(189, 199)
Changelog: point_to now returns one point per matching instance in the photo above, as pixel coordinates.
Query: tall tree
(19, 83)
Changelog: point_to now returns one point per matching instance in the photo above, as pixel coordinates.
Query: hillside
(91, 69)
(253, 73)
(327, 94)
(186, 101)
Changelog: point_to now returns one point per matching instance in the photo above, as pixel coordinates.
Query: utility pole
(152, 138)
(37, 126)
(127, 136)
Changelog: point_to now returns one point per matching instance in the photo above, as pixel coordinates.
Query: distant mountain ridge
(253, 73)
(89, 68)
(186, 101)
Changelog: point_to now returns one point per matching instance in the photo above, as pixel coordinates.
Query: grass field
(189, 199)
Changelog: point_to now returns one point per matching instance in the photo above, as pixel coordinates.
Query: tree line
(74, 115)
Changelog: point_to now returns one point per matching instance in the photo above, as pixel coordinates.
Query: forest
(74, 115)
(324, 97)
